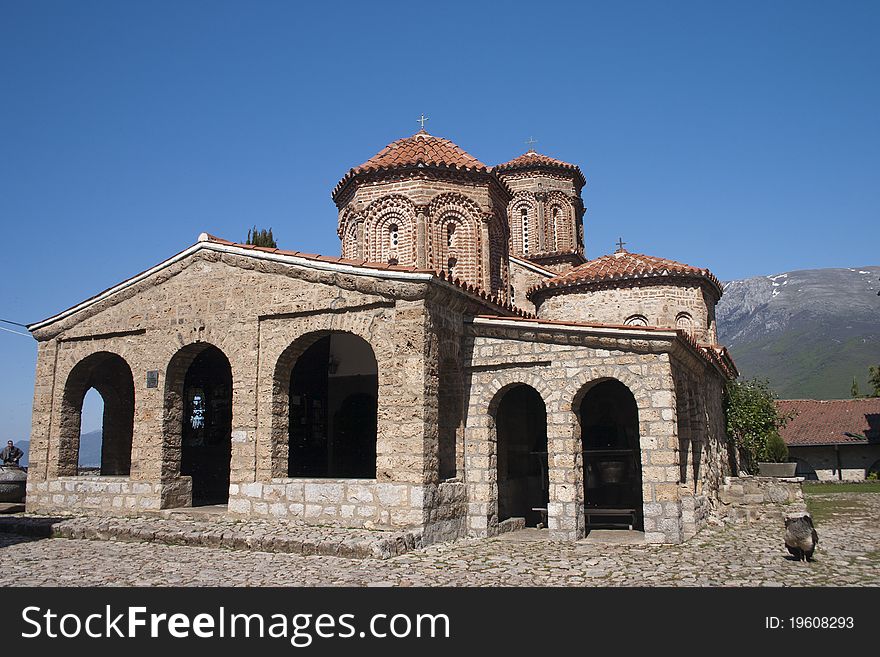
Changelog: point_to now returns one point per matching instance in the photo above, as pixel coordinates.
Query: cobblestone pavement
(733, 555)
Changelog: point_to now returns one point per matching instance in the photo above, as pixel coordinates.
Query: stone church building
(462, 369)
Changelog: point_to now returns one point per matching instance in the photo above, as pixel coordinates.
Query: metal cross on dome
(620, 244)
(531, 143)
(421, 120)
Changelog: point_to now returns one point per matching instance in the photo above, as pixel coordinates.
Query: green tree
(752, 420)
(854, 389)
(874, 380)
(261, 238)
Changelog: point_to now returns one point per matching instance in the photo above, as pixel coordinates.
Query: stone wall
(553, 210)
(110, 495)
(561, 367)
(659, 305)
(521, 279)
(340, 502)
(254, 312)
(747, 498)
(825, 463)
(422, 207)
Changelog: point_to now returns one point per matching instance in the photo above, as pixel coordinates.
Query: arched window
(636, 320)
(556, 228)
(450, 266)
(684, 322)
(450, 235)
(524, 217)
(394, 236)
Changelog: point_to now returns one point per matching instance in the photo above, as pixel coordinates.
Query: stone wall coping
(323, 480)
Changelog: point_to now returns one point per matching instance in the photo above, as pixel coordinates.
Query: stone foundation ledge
(748, 498)
(108, 494)
(293, 538)
(352, 503)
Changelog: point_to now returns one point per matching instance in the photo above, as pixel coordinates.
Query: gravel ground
(732, 555)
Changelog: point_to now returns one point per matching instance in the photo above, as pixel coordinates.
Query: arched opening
(333, 393)
(555, 218)
(205, 420)
(108, 452)
(91, 433)
(524, 224)
(521, 458)
(612, 456)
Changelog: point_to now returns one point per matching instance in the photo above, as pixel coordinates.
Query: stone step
(220, 532)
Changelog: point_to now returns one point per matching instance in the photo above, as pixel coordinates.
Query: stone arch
(110, 375)
(684, 321)
(198, 414)
(465, 215)
(522, 201)
(393, 210)
(558, 211)
(608, 420)
(518, 420)
(313, 392)
(350, 243)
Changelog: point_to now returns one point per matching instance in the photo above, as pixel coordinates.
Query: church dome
(531, 160)
(625, 266)
(421, 149)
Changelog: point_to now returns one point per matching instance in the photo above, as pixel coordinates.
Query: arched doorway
(612, 457)
(333, 394)
(110, 376)
(206, 427)
(521, 457)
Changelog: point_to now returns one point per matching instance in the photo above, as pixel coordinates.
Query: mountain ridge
(808, 331)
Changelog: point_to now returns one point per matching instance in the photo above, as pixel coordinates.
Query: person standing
(11, 454)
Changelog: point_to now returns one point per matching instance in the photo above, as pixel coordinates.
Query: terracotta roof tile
(623, 265)
(421, 148)
(533, 160)
(827, 422)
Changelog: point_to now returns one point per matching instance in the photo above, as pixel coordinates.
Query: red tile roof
(533, 160)
(623, 265)
(828, 422)
(421, 148)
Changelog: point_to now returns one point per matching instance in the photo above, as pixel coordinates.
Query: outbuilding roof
(831, 422)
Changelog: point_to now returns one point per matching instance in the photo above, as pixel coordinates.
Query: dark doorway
(333, 401)
(612, 457)
(206, 439)
(523, 484)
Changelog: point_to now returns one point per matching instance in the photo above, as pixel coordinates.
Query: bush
(775, 450)
(752, 418)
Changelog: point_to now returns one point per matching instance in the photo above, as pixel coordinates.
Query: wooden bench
(590, 511)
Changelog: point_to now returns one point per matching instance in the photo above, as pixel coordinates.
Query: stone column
(541, 198)
(421, 240)
(44, 383)
(485, 272)
(361, 243)
(565, 519)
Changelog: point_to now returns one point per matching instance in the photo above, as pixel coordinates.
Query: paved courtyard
(734, 555)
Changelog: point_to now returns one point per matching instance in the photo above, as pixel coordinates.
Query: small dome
(419, 149)
(533, 160)
(623, 265)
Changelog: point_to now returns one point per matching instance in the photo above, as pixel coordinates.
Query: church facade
(462, 369)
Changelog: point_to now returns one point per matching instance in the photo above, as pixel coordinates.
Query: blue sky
(739, 136)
